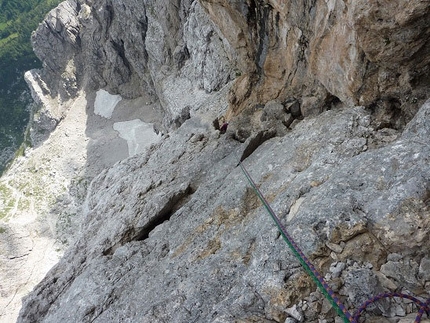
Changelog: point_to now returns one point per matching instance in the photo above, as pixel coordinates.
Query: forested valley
(17, 21)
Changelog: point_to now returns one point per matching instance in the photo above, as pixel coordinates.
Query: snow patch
(105, 103)
(138, 135)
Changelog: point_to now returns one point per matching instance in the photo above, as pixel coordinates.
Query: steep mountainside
(17, 20)
(326, 107)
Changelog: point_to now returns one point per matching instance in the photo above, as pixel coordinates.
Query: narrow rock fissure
(177, 200)
(331, 102)
(120, 49)
(263, 32)
(254, 142)
(110, 16)
(387, 114)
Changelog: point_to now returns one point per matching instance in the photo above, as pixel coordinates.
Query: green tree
(17, 20)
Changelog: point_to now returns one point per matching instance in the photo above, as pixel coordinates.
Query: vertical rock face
(166, 49)
(59, 31)
(174, 233)
(359, 51)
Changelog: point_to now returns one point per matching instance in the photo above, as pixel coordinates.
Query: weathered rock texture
(161, 67)
(367, 53)
(175, 234)
(166, 49)
(361, 52)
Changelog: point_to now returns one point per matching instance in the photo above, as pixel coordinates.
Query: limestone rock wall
(321, 99)
(178, 235)
(358, 51)
(372, 54)
(166, 49)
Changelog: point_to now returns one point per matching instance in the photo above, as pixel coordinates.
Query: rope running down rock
(424, 306)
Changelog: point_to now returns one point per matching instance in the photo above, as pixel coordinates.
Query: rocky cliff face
(167, 50)
(177, 234)
(321, 99)
(360, 52)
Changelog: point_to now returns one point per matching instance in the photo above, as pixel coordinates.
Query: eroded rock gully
(323, 101)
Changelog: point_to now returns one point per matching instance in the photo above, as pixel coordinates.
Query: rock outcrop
(360, 52)
(166, 50)
(177, 234)
(323, 101)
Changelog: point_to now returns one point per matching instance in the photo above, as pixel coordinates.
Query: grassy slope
(17, 20)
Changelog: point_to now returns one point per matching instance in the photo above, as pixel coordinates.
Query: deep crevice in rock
(120, 49)
(387, 113)
(254, 142)
(176, 201)
(263, 37)
(110, 15)
(332, 102)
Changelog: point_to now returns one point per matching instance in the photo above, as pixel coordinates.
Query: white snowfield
(136, 133)
(105, 103)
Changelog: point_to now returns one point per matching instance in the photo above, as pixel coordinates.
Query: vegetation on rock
(17, 20)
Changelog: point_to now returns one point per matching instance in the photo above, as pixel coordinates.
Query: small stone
(313, 297)
(424, 269)
(399, 310)
(337, 269)
(290, 320)
(385, 281)
(295, 312)
(312, 310)
(361, 284)
(292, 106)
(334, 247)
(311, 106)
(274, 109)
(409, 308)
(334, 256)
(335, 284)
(326, 307)
(394, 257)
(288, 120)
(294, 123)
(405, 272)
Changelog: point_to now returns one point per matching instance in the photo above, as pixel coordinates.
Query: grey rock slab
(177, 234)
(424, 270)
